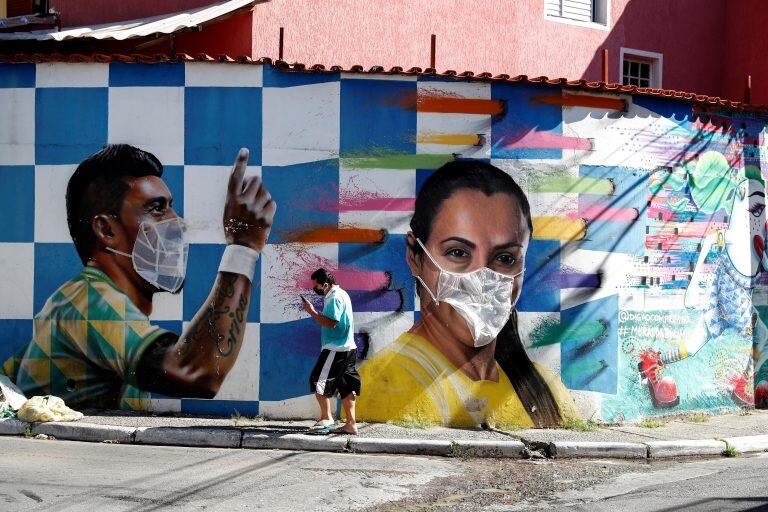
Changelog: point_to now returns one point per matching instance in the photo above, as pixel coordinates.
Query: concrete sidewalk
(677, 436)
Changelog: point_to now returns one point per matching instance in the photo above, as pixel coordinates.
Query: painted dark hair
(530, 386)
(98, 186)
(322, 276)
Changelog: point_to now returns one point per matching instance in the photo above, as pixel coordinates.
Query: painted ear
(104, 230)
(413, 259)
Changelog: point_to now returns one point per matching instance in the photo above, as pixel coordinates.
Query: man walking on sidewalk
(335, 372)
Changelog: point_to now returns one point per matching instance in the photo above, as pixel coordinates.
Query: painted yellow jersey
(86, 346)
(412, 380)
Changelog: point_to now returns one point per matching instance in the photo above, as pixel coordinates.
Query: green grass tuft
(579, 424)
(698, 418)
(239, 418)
(412, 422)
(652, 423)
(730, 451)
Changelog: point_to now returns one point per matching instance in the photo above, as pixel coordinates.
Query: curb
(85, 432)
(747, 444)
(594, 449)
(294, 442)
(12, 427)
(236, 438)
(685, 448)
(189, 436)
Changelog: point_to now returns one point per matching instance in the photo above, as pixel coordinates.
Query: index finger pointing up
(238, 171)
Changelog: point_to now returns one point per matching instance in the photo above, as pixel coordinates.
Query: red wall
(746, 50)
(231, 36)
(86, 12)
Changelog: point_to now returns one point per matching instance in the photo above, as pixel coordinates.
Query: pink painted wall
(708, 47)
(499, 37)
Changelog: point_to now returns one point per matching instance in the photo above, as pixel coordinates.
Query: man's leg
(348, 403)
(325, 407)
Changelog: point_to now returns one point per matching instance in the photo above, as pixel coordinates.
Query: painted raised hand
(249, 210)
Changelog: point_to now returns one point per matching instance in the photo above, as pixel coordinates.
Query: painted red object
(761, 394)
(663, 389)
(742, 391)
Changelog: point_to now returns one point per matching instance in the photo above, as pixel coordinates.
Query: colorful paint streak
(547, 140)
(386, 204)
(377, 301)
(362, 280)
(552, 332)
(455, 105)
(567, 184)
(559, 228)
(583, 100)
(331, 235)
(576, 280)
(451, 139)
(588, 212)
(410, 161)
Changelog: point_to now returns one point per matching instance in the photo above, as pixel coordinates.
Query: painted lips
(759, 245)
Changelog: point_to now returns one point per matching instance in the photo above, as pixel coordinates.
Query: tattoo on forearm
(207, 326)
(234, 328)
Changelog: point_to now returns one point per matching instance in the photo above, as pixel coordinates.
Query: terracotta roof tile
(414, 71)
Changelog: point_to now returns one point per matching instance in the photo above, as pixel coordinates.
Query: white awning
(164, 24)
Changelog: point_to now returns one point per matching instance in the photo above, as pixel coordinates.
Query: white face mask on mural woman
(482, 297)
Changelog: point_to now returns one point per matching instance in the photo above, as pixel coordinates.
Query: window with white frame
(641, 68)
(577, 11)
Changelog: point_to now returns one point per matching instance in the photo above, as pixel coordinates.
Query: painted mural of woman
(738, 254)
(463, 362)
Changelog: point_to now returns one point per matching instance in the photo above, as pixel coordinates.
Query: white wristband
(239, 259)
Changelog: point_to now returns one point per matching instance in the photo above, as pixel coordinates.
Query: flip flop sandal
(340, 430)
(320, 431)
(321, 424)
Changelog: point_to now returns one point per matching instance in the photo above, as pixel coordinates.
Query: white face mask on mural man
(160, 253)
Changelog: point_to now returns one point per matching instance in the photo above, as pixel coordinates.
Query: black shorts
(335, 374)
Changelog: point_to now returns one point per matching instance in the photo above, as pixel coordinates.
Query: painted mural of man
(726, 303)
(335, 372)
(93, 343)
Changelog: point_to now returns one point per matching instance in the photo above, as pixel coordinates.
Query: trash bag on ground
(10, 394)
(47, 408)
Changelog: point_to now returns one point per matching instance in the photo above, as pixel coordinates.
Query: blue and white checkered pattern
(194, 117)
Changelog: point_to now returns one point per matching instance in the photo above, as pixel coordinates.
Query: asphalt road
(66, 475)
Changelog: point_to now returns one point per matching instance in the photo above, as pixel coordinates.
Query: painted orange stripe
(580, 100)
(451, 139)
(342, 235)
(441, 104)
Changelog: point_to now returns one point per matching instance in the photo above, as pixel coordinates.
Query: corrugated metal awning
(145, 27)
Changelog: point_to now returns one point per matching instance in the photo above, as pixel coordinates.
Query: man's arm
(319, 318)
(195, 364)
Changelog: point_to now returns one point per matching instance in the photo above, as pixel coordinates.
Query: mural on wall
(515, 252)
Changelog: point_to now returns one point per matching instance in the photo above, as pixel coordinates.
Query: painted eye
(457, 253)
(757, 210)
(506, 259)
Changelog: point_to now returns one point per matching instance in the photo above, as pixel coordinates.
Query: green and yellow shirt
(86, 345)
